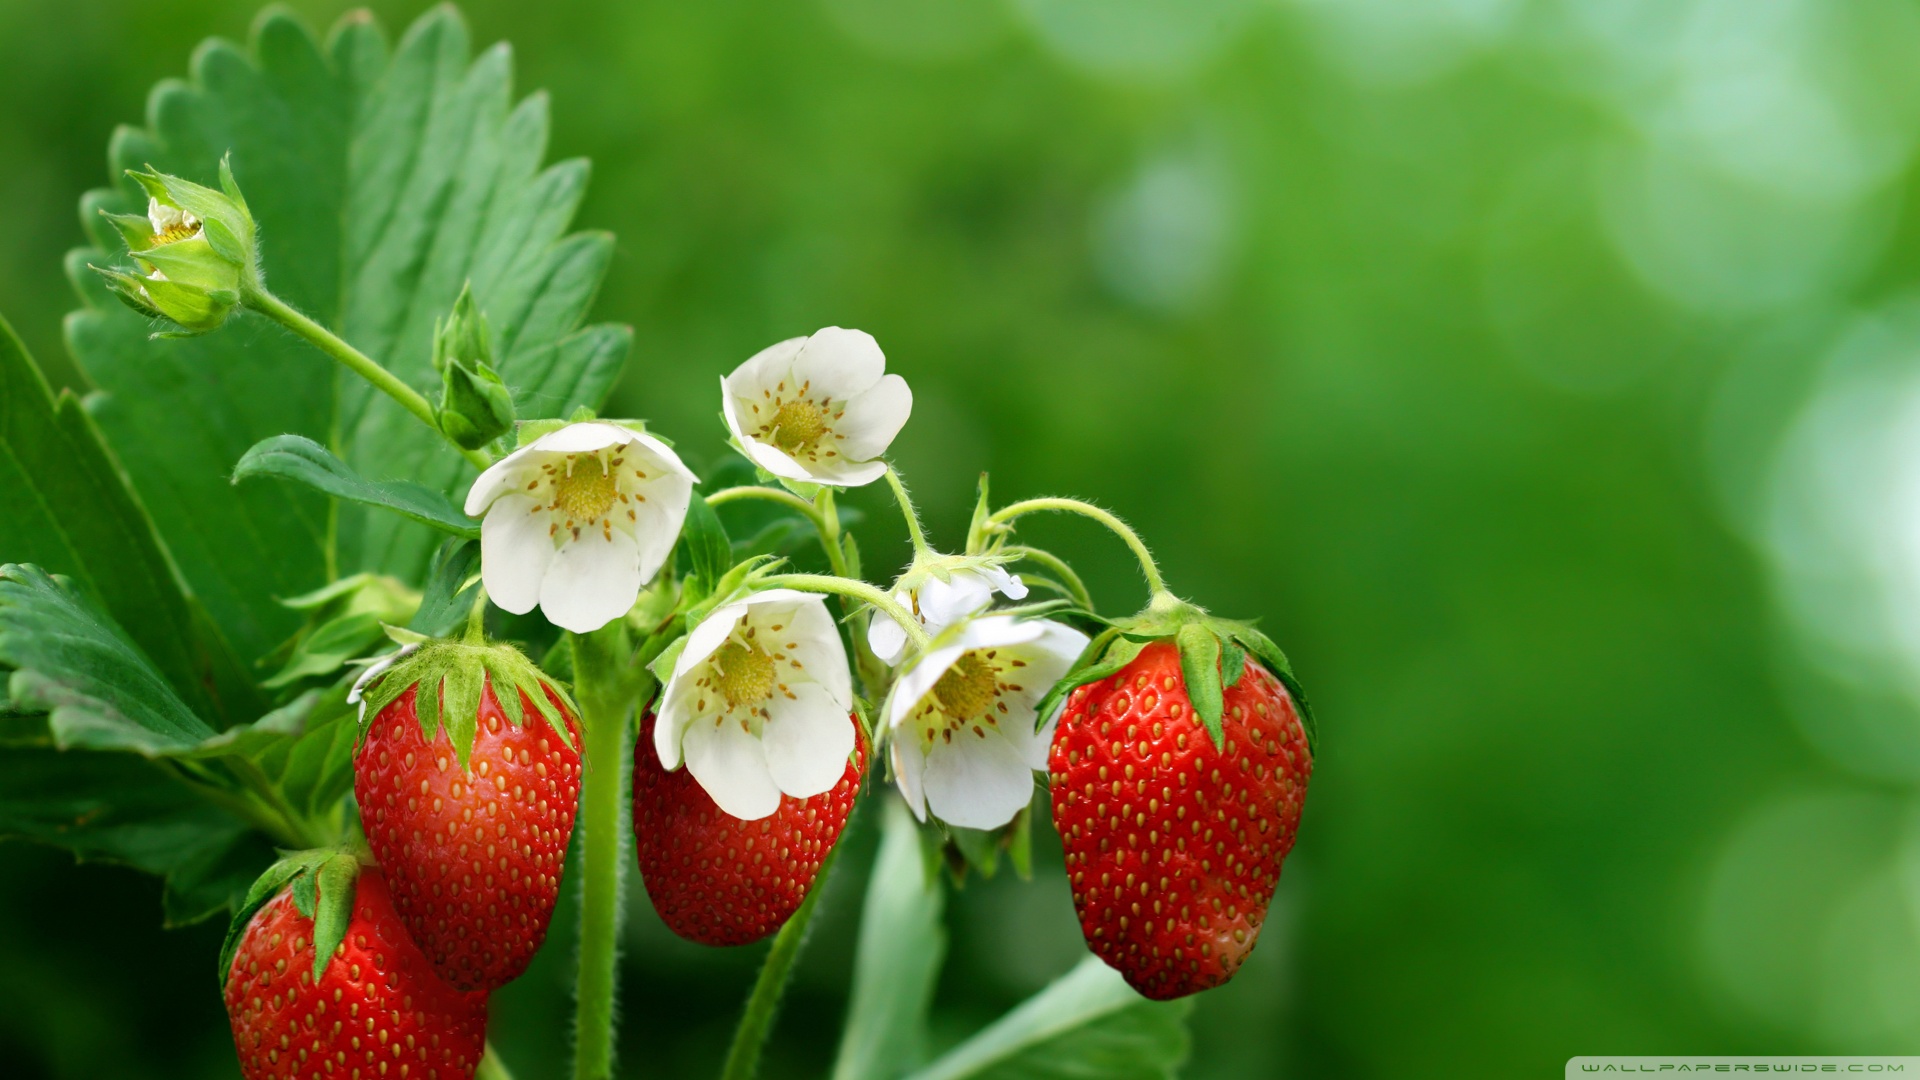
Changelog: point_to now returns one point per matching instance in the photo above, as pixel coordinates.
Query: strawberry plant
(256, 596)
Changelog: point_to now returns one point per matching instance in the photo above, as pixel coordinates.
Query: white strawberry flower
(578, 520)
(818, 409)
(961, 721)
(758, 704)
(939, 604)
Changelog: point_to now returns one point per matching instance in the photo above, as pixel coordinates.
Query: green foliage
(65, 506)
(299, 459)
(902, 944)
(1089, 1023)
(69, 659)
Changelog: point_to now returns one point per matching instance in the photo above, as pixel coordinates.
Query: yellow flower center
(586, 491)
(746, 673)
(966, 690)
(176, 232)
(798, 425)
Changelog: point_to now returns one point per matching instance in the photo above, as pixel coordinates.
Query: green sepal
(662, 666)
(1108, 652)
(1233, 663)
(333, 910)
(475, 405)
(978, 849)
(1019, 841)
(223, 242)
(1200, 669)
(527, 431)
(134, 229)
(978, 527)
(448, 677)
(1269, 654)
(850, 550)
(294, 867)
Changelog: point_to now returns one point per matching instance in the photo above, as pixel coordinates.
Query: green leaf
(303, 461)
(447, 598)
(381, 185)
(99, 690)
(709, 551)
(328, 648)
(1200, 669)
(902, 945)
(118, 808)
(1088, 1024)
(65, 506)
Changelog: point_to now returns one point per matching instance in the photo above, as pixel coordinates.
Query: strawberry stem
(1148, 569)
(907, 510)
(743, 1055)
(264, 302)
(854, 590)
(603, 824)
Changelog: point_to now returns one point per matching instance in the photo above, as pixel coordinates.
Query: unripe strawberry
(473, 842)
(716, 879)
(1173, 845)
(378, 1008)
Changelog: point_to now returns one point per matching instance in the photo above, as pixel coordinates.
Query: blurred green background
(1544, 373)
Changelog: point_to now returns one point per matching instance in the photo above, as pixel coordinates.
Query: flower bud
(194, 246)
(475, 406)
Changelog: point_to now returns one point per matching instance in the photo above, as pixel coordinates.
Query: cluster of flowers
(579, 520)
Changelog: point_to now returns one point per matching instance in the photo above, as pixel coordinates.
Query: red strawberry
(474, 854)
(716, 879)
(1174, 846)
(377, 1010)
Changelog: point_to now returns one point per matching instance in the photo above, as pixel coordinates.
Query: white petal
(909, 770)
(943, 603)
(817, 645)
(1007, 585)
(874, 418)
(977, 781)
(918, 681)
(706, 638)
(731, 765)
(764, 369)
(774, 460)
(582, 438)
(668, 489)
(839, 364)
(808, 739)
(999, 631)
(846, 474)
(515, 551)
(885, 637)
(593, 580)
(670, 724)
(507, 474)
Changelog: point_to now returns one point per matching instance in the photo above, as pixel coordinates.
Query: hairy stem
(855, 590)
(1151, 572)
(907, 510)
(1076, 588)
(355, 361)
(777, 495)
(599, 686)
(743, 1056)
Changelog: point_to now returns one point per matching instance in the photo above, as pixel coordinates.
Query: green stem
(477, 618)
(907, 510)
(828, 520)
(491, 1067)
(603, 815)
(1151, 572)
(743, 1056)
(778, 495)
(1075, 587)
(355, 361)
(855, 590)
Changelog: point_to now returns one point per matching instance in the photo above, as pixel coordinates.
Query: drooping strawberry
(716, 879)
(362, 1002)
(468, 799)
(1173, 841)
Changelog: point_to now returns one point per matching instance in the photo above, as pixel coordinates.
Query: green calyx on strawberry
(452, 676)
(319, 977)
(1177, 775)
(1213, 652)
(468, 780)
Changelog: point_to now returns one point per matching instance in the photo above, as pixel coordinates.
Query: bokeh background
(1544, 373)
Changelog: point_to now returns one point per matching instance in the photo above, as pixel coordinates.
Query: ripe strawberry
(716, 879)
(1173, 845)
(377, 1010)
(474, 854)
